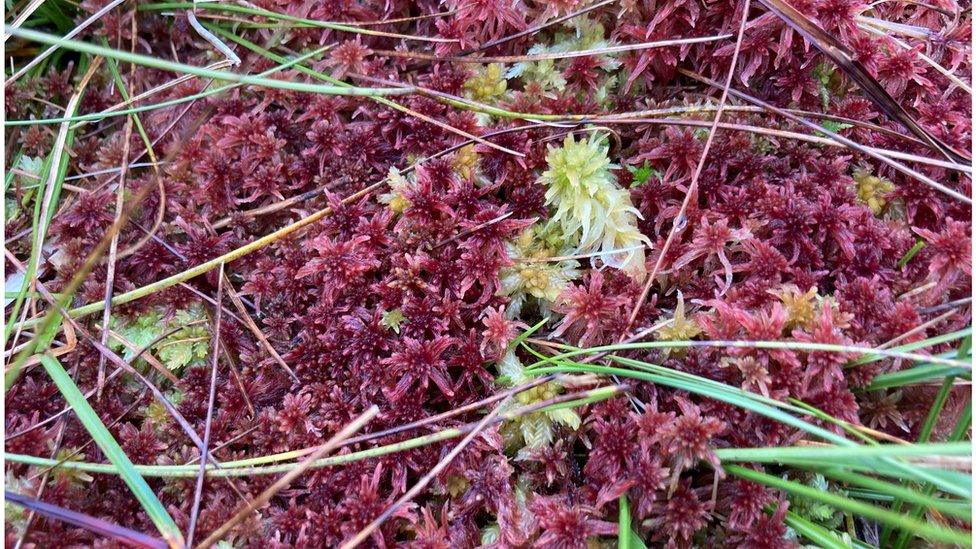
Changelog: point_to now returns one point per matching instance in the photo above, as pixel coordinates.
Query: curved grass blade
(120, 461)
(837, 52)
(627, 537)
(903, 522)
(172, 66)
(98, 116)
(916, 375)
(787, 454)
(816, 533)
(915, 345)
(736, 397)
(958, 509)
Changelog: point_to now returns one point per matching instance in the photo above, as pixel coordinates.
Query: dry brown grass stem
(289, 477)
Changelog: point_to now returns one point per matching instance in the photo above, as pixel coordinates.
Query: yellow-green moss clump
(590, 209)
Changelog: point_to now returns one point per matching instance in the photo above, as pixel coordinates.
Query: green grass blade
(787, 454)
(113, 66)
(915, 375)
(958, 433)
(910, 254)
(924, 435)
(915, 345)
(624, 535)
(737, 397)
(814, 532)
(120, 461)
(9, 178)
(168, 103)
(730, 396)
(957, 509)
(926, 530)
(181, 68)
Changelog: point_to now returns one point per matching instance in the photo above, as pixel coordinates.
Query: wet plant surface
(612, 274)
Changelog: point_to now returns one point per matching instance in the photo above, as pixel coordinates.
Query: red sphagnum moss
(409, 298)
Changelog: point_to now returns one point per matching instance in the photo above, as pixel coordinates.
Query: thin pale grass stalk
(165, 65)
(253, 327)
(856, 146)
(918, 290)
(925, 5)
(80, 449)
(117, 110)
(28, 10)
(148, 93)
(118, 361)
(74, 32)
(295, 454)
(536, 28)
(839, 54)
(342, 27)
(421, 484)
(866, 434)
(85, 175)
(92, 524)
(475, 229)
(228, 442)
(381, 100)
(916, 330)
(209, 37)
(240, 382)
(247, 468)
(115, 373)
(205, 451)
(915, 345)
(692, 191)
(928, 60)
(453, 412)
(45, 102)
(554, 55)
(577, 256)
(695, 109)
(913, 31)
(252, 506)
(948, 305)
(151, 360)
(759, 130)
(113, 247)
